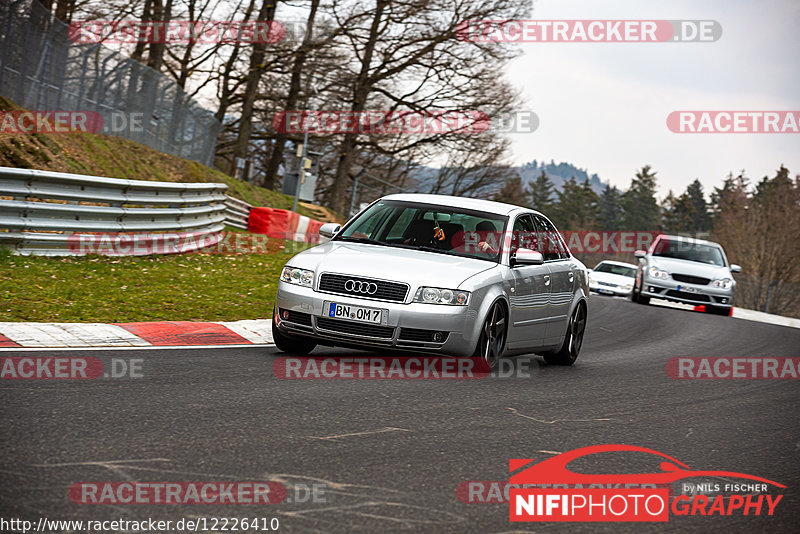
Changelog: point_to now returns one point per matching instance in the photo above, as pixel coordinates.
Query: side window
(549, 240)
(523, 234)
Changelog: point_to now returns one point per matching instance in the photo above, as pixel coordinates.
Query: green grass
(190, 287)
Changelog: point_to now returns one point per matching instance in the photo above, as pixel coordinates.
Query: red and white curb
(155, 334)
(175, 334)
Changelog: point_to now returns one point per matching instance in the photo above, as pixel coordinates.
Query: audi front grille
(358, 286)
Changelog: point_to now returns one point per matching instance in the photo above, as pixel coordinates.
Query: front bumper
(401, 329)
(675, 291)
(609, 290)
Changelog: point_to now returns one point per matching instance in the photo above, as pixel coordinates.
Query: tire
(573, 340)
(492, 340)
(291, 344)
(636, 294)
(719, 310)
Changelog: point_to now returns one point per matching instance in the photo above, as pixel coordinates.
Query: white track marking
(254, 330)
(60, 335)
(366, 433)
(30, 335)
(105, 334)
(761, 317)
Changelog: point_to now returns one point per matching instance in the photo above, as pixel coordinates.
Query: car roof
(622, 263)
(490, 206)
(689, 240)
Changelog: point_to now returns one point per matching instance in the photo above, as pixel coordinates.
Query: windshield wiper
(351, 239)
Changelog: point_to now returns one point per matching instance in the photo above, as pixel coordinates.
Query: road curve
(391, 453)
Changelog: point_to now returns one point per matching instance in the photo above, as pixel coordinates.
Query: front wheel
(573, 340)
(290, 344)
(492, 340)
(636, 294)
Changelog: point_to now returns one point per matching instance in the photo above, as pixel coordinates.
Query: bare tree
(409, 54)
(254, 72)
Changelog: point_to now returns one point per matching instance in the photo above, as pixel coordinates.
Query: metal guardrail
(48, 212)
(237, 213)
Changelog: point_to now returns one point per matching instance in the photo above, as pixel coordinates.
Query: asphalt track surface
(391, 453)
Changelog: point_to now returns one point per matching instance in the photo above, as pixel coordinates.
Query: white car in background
(612, 278)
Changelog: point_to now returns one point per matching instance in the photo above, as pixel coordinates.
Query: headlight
(437, 295)
(300, 277)
(627, 287)
(725, 283)
(655, 272)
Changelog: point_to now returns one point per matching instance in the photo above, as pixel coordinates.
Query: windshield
(441, 229)
(686, 250)
(621, 270)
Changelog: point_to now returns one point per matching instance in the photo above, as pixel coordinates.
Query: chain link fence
(41, 69)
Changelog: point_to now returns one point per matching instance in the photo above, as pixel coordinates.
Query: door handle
(547, 279)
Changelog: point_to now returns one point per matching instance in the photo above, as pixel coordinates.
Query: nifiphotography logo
(549, 491)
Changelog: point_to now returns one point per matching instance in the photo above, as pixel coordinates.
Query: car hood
(693, 268)
(611, 278)
(416, 267)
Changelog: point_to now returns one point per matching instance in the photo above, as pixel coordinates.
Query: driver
(485, 229)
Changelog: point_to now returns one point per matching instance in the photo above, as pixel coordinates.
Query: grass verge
(189, 287)
(115, 157)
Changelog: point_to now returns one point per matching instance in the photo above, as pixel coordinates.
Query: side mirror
(735, 268)
(526, 256)
(640, 253)
(329, 229)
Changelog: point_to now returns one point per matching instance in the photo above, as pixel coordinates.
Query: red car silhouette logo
(554, 470)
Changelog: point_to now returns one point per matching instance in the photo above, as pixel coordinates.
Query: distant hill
(558, 174)
(528, 172)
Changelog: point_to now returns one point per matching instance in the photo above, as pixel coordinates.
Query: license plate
(356, 313)
(688, 289)
(605, 291)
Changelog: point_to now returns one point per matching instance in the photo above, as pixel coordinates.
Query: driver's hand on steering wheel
(486, 247)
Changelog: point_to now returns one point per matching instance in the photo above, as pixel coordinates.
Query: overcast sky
(603, 106)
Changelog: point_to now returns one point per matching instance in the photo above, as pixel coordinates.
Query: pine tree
(696, 203)
(541, 193)
(512, 192)
(577, 206)
(640, 209)
(609, 209)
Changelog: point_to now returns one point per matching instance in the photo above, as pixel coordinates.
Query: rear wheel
(291, 344)
(492, 340)
(573, 341)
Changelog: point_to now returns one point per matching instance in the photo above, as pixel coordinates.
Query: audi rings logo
(359, 286)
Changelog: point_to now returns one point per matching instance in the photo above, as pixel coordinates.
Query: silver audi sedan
(437, 274)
